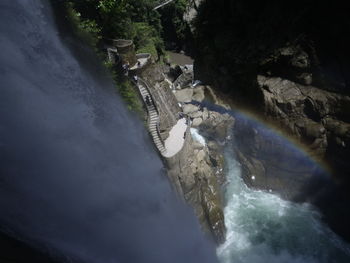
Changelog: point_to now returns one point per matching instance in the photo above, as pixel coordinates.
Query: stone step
(153, 117)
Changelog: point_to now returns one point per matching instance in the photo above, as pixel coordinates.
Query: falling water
(78, 175)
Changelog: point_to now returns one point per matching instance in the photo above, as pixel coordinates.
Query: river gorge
(204, 153)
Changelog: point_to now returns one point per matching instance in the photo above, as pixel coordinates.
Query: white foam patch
(197, 137)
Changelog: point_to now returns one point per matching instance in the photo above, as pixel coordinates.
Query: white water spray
(261, 227)
(197, 137)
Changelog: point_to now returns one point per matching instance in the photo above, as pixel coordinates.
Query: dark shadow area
(234, 39)
(15, 251)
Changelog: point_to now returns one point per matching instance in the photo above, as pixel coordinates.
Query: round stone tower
(126, 50)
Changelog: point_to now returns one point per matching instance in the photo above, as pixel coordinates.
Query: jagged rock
(191, 12)
(184, 80)
(217, 125)
(196, 114)
(197, 121)
(201, 155)
(205, 114)
(198, 94)
(304, 110)
(184, 95)
(305, 78)
(191, 171)
(189, 108)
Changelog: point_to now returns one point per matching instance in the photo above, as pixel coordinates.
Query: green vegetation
(97, 22)
(126, 19)
(130, 95)
(172, 16)
(127, 90)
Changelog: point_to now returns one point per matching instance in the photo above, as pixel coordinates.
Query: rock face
(191, 11)
(196, 170)
(312, 115)
(288, 62)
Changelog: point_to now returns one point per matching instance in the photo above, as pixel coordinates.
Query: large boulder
(184, 95)
(190, 108)
(198, 93)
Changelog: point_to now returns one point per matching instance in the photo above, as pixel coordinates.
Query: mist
(79, 177)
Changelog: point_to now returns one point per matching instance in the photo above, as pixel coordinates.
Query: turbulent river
(261, 228)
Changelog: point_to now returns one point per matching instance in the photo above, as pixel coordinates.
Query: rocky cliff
(288, 62)
(196, 172)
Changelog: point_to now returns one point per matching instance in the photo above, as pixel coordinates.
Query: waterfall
(79, 176)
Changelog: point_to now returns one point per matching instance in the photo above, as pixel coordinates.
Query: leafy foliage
(128, 19)
(99, 21)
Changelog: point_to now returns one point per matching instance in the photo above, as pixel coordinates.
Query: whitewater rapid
(261, 227)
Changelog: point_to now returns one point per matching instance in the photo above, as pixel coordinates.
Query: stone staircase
(153, 116)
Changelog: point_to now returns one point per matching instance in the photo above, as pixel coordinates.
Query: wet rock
(198, 94)
(217, 126)
(191, 171)
(196, 114)
(197, 121)
(190, 108)
(184, 80)
(184, 95)
(205, 114)
(305, 78)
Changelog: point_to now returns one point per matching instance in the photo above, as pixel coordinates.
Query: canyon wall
(288, 63)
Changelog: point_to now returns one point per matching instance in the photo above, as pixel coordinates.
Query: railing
(143, 55)
(156, 109)
(149, 93)
(163, 4)
(122, 42)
